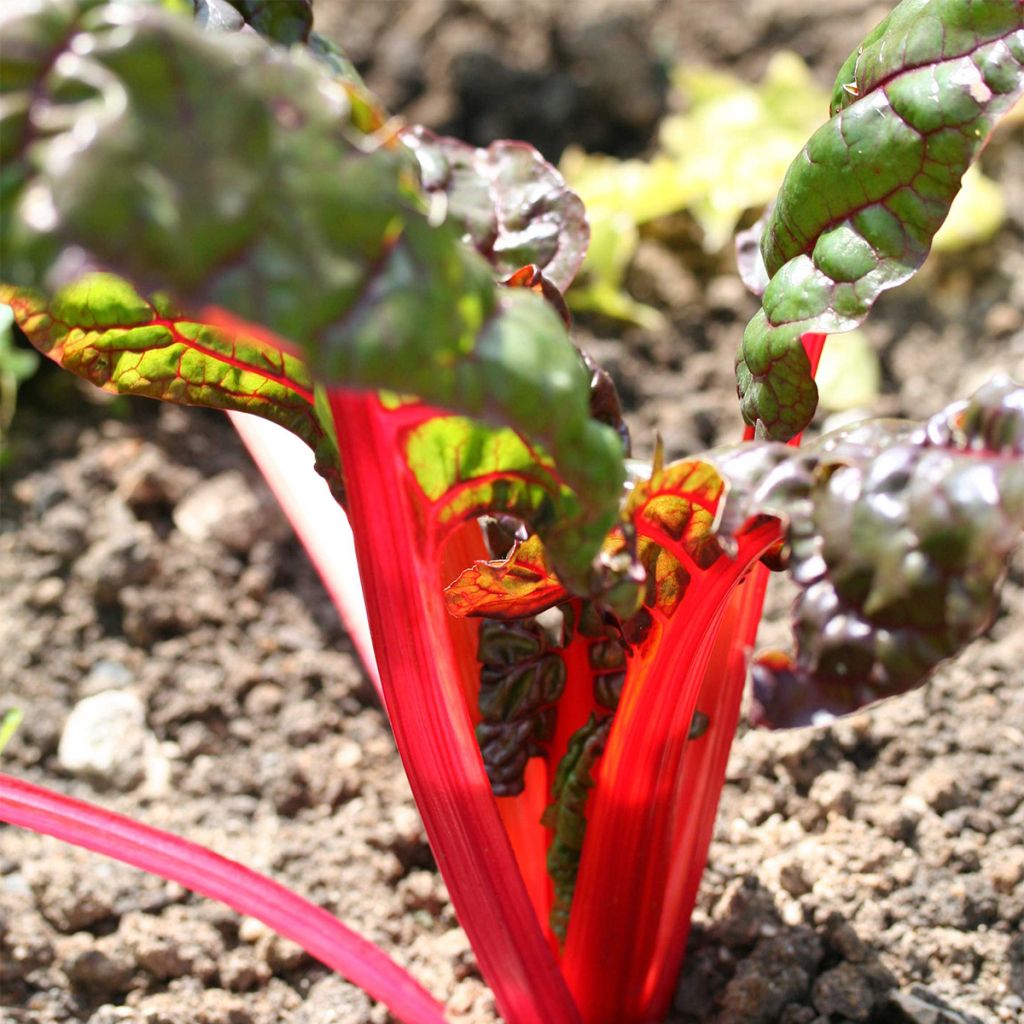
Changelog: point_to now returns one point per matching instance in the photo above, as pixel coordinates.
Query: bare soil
(872, 871)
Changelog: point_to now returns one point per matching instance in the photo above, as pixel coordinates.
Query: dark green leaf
(283, 21)
(898, 536)
(573, 783)
(860, 205)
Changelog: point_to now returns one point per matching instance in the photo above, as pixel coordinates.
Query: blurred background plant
(721, 158)
(8, 726)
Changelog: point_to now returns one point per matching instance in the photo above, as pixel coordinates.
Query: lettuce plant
(213, 211)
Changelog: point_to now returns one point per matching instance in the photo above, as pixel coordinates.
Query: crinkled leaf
(860, 205)
(512, 206)
(228, 172)
(101, 329)
(511, 588)
(673, 514)
(898, 537)
(565, 815)
(671, 519)
(521, 678)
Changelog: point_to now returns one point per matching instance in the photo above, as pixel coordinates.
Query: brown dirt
(872, 871)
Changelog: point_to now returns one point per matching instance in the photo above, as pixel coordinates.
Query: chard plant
(203, 204)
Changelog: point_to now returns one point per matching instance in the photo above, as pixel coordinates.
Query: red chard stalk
(562, 634)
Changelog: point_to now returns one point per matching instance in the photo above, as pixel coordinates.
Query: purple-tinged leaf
(230, 173)
(898, 536)
(511, 205)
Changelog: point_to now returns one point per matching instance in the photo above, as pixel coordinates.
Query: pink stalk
(398, 552)
(313, 928)
(319, 522)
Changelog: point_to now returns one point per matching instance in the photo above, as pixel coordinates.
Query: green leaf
(228, 173)
(9, 726)
(859, 207)
(101, 329)
(283, 21)
(464, 469)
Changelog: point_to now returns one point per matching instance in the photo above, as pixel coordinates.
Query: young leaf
(9, 726)
(856, 215)
(513, 207)
(515, 587)
(101, 329)
(225, 171)
(521, 679)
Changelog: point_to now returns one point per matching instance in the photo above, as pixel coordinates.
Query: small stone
(61, 531)
(776, 974)
(24, 947)
(105, 739)
(1002, 319)
(101, 965)
(253, 930)
(848, 989)
(332, 1000)
(1005, 869)
(225, 509)
(240, 970)
(263, 699)
(47, 593)
(744, 908)
(283, 955)
(106, 675)
(832, 791)
(939, 787)
(420, 891)
(121, 559)
(172, 946)
(348, 754)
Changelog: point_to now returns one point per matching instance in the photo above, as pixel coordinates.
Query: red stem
(703, 777)
(630, 864)
(426, 703)
(661, 806)
(207, 873)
